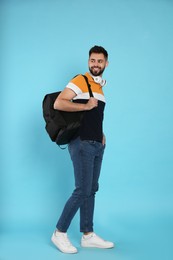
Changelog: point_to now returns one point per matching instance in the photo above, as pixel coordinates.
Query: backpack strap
(87, 82)
(89, 86)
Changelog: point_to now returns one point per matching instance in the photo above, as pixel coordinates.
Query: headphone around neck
(99, 80)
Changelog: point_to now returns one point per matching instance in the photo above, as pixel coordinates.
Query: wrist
(85, 107)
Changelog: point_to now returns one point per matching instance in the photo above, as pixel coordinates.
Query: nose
(95, 64)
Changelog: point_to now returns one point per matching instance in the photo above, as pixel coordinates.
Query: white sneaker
(62, 242)
(92, 240)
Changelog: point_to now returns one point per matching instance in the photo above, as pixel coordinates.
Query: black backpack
(61, 126)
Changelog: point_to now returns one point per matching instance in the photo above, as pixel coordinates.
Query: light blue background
(43, 44)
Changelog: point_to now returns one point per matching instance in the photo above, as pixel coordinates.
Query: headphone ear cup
(103, 82)
(98, 79)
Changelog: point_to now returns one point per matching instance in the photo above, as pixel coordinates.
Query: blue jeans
(87, 159)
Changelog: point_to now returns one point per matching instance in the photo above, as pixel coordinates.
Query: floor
(147, 238)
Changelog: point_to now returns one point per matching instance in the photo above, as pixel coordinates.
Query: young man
(86, 151)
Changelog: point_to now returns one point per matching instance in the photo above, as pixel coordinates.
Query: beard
(96, 71)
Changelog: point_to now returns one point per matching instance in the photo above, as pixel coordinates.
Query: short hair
(98, 49)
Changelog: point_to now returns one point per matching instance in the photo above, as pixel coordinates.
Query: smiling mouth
(96, 68)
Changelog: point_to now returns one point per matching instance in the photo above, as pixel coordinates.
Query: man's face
(97, 63)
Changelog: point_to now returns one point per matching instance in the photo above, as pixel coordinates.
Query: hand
(92, 102)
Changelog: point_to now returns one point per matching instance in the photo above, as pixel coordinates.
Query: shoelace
(67, 241)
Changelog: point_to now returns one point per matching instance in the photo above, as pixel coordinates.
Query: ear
(88, 61)
(107, 63)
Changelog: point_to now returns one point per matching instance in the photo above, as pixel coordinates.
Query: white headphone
(99, 80)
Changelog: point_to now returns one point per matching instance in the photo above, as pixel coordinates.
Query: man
(86, 151)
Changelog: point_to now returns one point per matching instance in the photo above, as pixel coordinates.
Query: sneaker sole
(96, 246)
